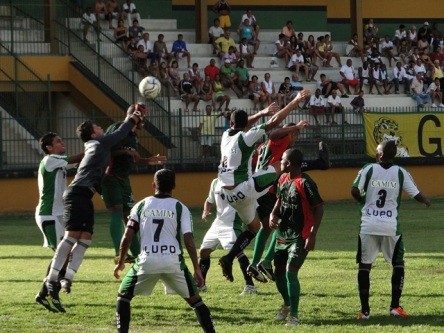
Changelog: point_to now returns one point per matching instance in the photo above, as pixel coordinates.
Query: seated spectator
(312, 67)
(255, 93)
(243, 76)
(223, 43)
(206, 91)
(412, 36)
(131, 47)
(400, 76)
(364, 74)
(247, 31)
(403, 50)
(214, 33)
(195, 77)
(353, 49)
(173, 72)
(164, 77)
(135, 30)
(89, 20)
(288, 30)
(223, 9)
(187, 92)
(219, 94)
(376, 79)
(297, 64)
(436, 36)
(253, 22)
(334, 105)
(229, 78)
(100, 10)
(329, 48)
(245, 53)
(212, 70)
(323, 52)
(387, 49)
(230, 55)
(317, 106)
(327, 85)
(310, 49)
(374, 56)
(385, 79)
(423, 44)
(161, 51)
(438, 54)
(410, 70)
(147, 47)
(295, 82)
(400, 34)
(268, 88)
(179, 50)
(435, 93)
(357, 103)
(113, 12)
(437, 72)
(415, 54)
(417, 91)
(140, 61)
(282, 49)
(285, 93)
(425, 31)
(349, 76)
(153, 69)
(130, 12)
(121, 35)
(371, 36)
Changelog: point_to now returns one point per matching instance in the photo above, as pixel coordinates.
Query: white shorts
(243, 197)
(370, 245)
(224, 235)
(206, 140)
(51, 229)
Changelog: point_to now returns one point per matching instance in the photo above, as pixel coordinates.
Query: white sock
(60, 257)
(77, 254)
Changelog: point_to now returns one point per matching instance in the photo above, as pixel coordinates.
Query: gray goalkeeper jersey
(97, 156)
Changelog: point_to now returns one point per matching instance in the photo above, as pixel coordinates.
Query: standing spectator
(252, 20)
(245, 52)
(207, 130)
(268, 88)
(161, 51)
(214, 33)
(78, 204)
(195, 77)
(353, 49)
(348, 74)
(317, 105)
(288, 30)
(113, 12)
(168, 266)
(387, 49)
(334, 105)
(135, 30)
(212, 70)
(188, 93)
(223, 9)
(51, 181)
(296, 216)
(179, 50)
(379, 231)
(255, 93)
(435, 92)
(400, 76)
(297, 64)
(282, 49)
(121, 35)
(357, 103)
(247, 31)
(417, 91)
(130, 12)
(147, 47)
(223, 43)
(400, 34)
(285, 92)
(89, 20)
(219, 94)
(100, 10)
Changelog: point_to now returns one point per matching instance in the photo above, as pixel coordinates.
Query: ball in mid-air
(150, 87)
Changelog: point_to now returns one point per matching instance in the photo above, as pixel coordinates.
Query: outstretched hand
(270, 110)
(302, 95)
(155, 160)
(300, 125)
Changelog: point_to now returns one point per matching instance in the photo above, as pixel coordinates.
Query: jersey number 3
(382, 196)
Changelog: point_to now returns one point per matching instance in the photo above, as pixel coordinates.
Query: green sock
(269, 256)
(294, 291)
(116, 229)
(135, 246)
(281, 284)
(259, 245)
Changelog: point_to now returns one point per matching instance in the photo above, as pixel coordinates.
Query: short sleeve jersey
(52, 183)
(225, 214)
(382, 188)
(162, 219)
(236, 151)
(298, 198)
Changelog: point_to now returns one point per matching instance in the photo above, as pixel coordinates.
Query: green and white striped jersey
(52, 183)
(381, 186)
(236, 152)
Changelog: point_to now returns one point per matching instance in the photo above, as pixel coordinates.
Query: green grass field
(329, 301)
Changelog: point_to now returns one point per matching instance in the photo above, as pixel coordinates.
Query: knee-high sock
(294, 292)
(60, 257)
(397, 285)
(259, 245)
(241, 243)
(135, 245)
(281, 284)
(269, 255)
(243, 264)
(123, 314)
(77, 254)
(116, 229)
(204, 264)
(364, 289)
(203, 315)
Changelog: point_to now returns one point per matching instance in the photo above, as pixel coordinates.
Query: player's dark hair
(389, 150)
(165, 180)
(85, 130)
(46, 140)
(294, 156)
(240, 119)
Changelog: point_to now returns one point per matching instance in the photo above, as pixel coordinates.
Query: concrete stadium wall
(21, 195)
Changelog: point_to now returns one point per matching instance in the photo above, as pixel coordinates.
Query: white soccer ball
(150, 87)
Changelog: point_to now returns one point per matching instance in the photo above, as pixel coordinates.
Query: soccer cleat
(227, 268)
(292, 321)
(65, 285)
(363, 315)
(53, 292)
(398, 312)
(282, 313)
(267, 271)
(324, 155)
(43, 301)
(203, 289)
(249, 290)
(255, 274)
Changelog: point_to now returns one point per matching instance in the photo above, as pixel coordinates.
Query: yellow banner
(416, 134)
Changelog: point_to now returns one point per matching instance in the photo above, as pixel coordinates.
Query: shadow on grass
(380, 320)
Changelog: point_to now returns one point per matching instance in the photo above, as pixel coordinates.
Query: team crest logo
(386, 129)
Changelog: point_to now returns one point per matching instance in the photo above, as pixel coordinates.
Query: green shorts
(116, 191)
(292, 254)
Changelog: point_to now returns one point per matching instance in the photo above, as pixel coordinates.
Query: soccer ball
(150, 87)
